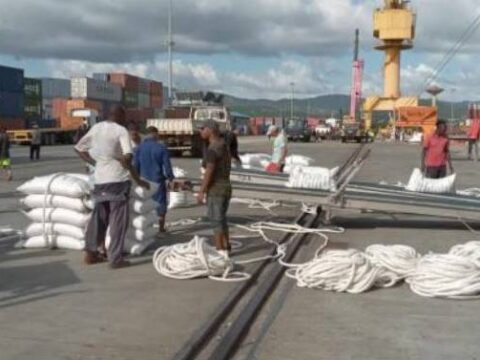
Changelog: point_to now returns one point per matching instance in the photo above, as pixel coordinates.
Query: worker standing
(5, 162)
(152, 162)
(436, 153)
(231, 140)
(473, 136)
(35, 143)
(109, 144)
(216, 186)
(280, 149)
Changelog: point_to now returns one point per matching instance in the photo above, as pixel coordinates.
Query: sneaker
(91, 258)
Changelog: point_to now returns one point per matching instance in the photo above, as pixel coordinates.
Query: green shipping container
(130, 99)
(33, 89)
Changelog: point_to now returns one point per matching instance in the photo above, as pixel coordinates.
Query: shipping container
(42, 123)
(156, 88)
(13, 123)
(11, 80)
(101, 76)
(130, 99)
(143, 100)
(32, 89)
(11, 104)
(126, 81)
(59, 108)
(47, 108)
(156, 101)
(33, 109)
(144, 86)
(70, 122)
(87, 88)
(55, 88)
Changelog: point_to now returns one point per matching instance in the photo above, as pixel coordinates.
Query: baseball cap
(209, 124)
(271, 129)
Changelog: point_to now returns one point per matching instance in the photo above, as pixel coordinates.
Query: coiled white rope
(256, 204)
(342, 271)
(446, 275)
(399, 259)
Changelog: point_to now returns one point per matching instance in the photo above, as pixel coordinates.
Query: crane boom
(357, 79)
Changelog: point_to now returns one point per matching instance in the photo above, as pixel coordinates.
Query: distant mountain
(325, 106)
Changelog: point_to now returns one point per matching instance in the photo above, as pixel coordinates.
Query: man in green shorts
(5, 162)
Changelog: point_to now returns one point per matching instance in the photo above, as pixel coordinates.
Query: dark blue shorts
(161, 198)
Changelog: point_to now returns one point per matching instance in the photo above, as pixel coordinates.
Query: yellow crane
(394, 27)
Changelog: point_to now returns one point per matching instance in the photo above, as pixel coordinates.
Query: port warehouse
(49, 102)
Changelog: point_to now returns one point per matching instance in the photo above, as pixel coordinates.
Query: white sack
(141, 222)
(145, 194)
(419, 183)
(63, 185)
(58, 215)
(180, 199)
(56, 201)
(36, 229)
(142, 235)
(312, 178)
(298, 160)
(255, 161)
(179, 172)
(60, 242)
(143, 207)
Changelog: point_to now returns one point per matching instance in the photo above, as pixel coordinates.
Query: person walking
(216, 186)
(109, 144)
(5, 162)
(280, 149)
(473, 136)
(35, 143)
(152, 162)
(436, 153)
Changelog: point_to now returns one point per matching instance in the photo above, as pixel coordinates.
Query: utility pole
(452, 113)
(292, 84)
(170, 44)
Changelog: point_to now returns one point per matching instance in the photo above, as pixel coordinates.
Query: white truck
(179, 130)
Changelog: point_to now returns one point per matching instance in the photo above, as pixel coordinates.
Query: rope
(257, 204)
(399, 259)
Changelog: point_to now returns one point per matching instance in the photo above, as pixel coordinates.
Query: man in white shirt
(280, 149)
(107, 147)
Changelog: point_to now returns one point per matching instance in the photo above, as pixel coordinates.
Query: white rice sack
(141, 222)
(58, 215)
(255, 161)
(143, 207)
(142, 235)
(59, 242)
(56, 201)
(143, 193)
(62, 185)
(37, 229)
(419, 183)
(139, 248)
(179, 172)
(180, 199)
(298, 160)
(312, 178)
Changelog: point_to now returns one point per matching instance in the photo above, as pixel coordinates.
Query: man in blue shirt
(152, 162)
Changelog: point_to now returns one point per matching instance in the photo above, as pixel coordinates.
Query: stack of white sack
(419, 183)
(312, 178)
(180, 197)
(294, 161)
(60, 208)
(255, 161)
(143, 216)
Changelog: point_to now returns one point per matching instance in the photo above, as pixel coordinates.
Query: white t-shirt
(107, 142)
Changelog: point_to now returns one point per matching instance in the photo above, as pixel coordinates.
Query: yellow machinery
(394, 26)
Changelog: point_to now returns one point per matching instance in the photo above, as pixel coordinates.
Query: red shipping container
(156, 88)
(126, 81)
(13, 123)
(156, 101)
(59, 107)
(70, 122)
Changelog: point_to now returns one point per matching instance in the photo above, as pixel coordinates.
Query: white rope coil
(446, 275)
(399, 259)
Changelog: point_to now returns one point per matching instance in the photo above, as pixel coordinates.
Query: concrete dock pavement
(54, 308)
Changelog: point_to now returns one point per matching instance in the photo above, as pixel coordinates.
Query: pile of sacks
(259, 161)
(143, 216)
(181, 195)
(318, 178)
(419, 183)
(59, 207)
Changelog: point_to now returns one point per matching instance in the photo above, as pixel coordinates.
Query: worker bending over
(280, 149)
(152, 161)
(436, 153)
(109, 144)
(216, 184)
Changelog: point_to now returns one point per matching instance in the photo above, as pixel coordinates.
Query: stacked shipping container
(53, 89)
(12, 98)
(33, 102)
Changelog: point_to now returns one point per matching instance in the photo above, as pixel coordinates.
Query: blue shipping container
(42, 123)
(101, 76)
(11, 80)
(12, 104)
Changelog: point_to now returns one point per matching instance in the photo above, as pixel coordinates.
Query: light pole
(170, 44)
(452, 114)
(292, 84)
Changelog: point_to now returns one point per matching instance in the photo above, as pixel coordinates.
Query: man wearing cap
(216, 186)
(280, 149)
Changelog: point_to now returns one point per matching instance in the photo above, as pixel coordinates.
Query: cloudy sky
(248, 48)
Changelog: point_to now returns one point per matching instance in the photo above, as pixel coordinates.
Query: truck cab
(297, 130)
